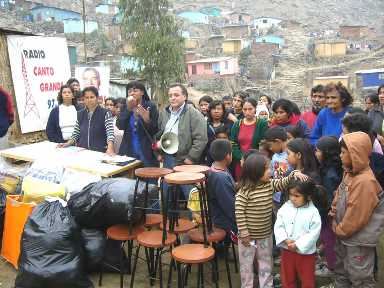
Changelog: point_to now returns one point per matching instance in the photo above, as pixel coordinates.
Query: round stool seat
(153, 220)
(217, 235)
(193, 253)
(191, 168)
(152, 172)
(120, 232)
(182, 226)
(184, 178)
(153, 239)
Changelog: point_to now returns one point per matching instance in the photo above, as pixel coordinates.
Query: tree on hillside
(157, 43)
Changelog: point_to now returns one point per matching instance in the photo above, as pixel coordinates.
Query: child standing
(353, 207)
(253, 210)
(297, 229)
(276, 137)
(301, 157)
(221, 186)
(328, 155)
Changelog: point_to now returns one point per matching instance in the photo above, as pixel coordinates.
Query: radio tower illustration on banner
(30, 104)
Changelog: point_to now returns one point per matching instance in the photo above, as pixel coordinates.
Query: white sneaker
(323, 271)
(331, 285)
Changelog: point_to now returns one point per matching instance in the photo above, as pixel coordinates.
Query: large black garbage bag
(94, 243)
(51, 252)
(108, 202)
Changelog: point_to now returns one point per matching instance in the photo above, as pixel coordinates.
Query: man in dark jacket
(190, 127)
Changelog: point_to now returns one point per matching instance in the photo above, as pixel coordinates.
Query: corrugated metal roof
(210, 60)
(380, 70)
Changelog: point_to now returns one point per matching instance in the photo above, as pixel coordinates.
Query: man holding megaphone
(183, 130)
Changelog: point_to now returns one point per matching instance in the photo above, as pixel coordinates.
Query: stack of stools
(186, 255)
(126, 233)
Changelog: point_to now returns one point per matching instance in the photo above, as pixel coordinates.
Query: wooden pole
(84, 33)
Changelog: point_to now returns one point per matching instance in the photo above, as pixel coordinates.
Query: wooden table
(71, 157)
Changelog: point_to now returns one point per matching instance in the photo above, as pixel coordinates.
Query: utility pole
(84, 34)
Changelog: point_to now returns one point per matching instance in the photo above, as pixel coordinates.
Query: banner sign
(40, 66)
(94, 76)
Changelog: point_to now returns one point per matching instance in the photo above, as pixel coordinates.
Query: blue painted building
(211, 11)
(271, 39)
(194, 17)
(107, 9)
(129, 63)
(76, 26)
(46, 13)
(371, 78)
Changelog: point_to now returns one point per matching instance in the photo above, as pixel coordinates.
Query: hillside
(316, 15)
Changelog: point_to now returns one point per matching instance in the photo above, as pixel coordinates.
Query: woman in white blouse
(62, 119)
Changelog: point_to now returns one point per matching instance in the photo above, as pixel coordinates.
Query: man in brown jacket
(354, 204)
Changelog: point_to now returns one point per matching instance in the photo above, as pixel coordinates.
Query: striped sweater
(253, 208)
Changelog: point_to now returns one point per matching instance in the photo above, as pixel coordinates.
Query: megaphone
(169, 143)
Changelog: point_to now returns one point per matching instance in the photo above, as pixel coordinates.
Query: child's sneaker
(331, 285)
(323, 271)
(277, 281)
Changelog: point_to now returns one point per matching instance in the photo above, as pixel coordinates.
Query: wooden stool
(190, 254)
(216, 236)
(151, 241)
(122, 233)
(176, 179)
(191, 168)
(181, 226)
(146, 174)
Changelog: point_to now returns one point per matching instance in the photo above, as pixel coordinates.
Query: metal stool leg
(160, 267)
(122, 265)
(227, 265)
(179, 276)
(171, 265)
(134, 266)
(234, 257)
(101, 273)
(130, 247)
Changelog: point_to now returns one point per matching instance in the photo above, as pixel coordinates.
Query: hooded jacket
(357, 196)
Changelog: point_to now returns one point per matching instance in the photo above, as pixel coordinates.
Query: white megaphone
(169, 143)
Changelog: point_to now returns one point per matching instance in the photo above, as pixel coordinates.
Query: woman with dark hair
(328, 122)
(331, 172)
(62, 119)
(138, 119)
(237, 104)
(286, 116)
(301, 157)
(111, 104)
(375, 113)
(380, 93)
(267, 101)
(218, 116)
(94, 126)
(246, 133)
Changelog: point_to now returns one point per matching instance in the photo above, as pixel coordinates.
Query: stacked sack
(61, 242)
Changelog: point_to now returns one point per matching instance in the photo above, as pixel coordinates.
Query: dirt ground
(8, 274)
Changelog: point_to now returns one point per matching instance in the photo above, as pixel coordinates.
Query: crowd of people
(303, 187)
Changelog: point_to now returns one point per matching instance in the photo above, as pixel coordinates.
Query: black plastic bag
(51, 252)
(108, 202)
(94, 243)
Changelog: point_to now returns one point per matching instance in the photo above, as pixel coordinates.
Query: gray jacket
(192, 133)
(377, 117)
